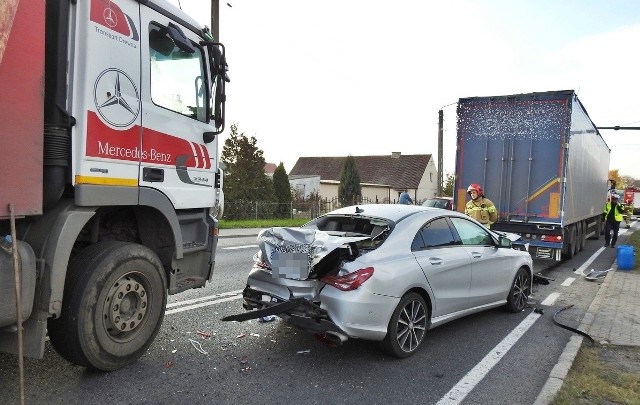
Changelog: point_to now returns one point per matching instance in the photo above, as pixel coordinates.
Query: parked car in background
(384, 272)
(439, 202)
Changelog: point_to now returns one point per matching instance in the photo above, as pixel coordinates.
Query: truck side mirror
(219, 77)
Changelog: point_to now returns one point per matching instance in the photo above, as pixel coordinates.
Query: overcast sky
(367, 77)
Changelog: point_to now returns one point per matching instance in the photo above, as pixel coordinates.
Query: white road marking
(202, 304)
(240, 247)
(207, 298)
(550, 299)
(580, 270)
(568, 281)
(473, 377)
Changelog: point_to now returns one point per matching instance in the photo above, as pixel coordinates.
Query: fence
(234, 210)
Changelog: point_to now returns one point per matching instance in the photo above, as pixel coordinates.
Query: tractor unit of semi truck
(541, 161)
(110, 184)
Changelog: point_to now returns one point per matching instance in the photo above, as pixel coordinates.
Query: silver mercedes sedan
(384, 272)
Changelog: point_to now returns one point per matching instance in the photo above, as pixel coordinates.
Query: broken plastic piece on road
(240, 336)
(303, 351)
(196, 345)
(203, 334)
(267, 318)
(597, 274)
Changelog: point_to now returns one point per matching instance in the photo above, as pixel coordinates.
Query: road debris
(196, 345)
(303, 351)
(203, 334)
(596, 274)
(569, 327)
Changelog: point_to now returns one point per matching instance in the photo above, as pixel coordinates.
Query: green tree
(244, 178)
(282, 192)
(447, 187)
(614, 174)
(349, 190)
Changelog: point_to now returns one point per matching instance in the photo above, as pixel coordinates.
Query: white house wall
(428, 186)
(306, 185)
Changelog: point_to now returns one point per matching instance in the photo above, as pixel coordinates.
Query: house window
(431, 177)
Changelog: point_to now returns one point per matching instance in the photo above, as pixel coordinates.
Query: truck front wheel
(113, 305)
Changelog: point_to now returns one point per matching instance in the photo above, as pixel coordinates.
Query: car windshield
(436, 203)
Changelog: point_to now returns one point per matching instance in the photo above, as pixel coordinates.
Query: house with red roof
(382, 177)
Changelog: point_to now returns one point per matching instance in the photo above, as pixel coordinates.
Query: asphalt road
(490, 358)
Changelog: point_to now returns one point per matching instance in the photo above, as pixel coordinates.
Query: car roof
(394, 212)
(441, 198)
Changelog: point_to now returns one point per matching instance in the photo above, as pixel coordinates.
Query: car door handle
(435, 260)
(476, 255)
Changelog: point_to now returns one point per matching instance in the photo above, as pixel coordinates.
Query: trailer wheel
(582, 240)
(595, 228)
(569, 242)
(113, 305)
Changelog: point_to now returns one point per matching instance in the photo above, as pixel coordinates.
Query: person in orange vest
(480, 207)
(612, 216)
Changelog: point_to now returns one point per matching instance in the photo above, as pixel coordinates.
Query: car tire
(113, 305)
(519, 292)
(407, 326)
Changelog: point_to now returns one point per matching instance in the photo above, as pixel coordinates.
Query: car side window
(433, 234)
(471, 233)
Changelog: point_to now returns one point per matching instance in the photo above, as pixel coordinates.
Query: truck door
(175, 159)
(105, 87)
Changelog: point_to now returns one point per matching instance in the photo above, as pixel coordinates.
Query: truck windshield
(177, 77)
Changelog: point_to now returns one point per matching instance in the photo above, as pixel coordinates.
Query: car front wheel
(520, 291)
(407, 326)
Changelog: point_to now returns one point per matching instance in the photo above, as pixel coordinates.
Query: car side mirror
(504, 242)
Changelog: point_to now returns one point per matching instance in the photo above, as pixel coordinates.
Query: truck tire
(570, 240)
(596, 228)
(114, 300)
(582, 232)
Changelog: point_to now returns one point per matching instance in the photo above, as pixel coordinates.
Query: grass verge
(602, 374)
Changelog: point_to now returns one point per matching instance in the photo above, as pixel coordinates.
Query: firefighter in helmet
(627, 211)
(480, 207)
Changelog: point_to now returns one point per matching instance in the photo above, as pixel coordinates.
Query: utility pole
(215, 20)
(440, 160)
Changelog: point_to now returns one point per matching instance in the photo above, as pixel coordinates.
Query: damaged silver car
(384, 272)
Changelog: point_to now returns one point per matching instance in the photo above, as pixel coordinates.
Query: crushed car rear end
(326, 275)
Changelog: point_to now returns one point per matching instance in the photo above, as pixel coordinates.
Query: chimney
(395, 155)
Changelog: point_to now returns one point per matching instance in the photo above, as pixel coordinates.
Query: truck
(111, 186)
(632, 197)
(541, 161)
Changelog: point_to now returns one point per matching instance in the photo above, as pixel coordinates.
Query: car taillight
(551, 238)
(350, 281)
(262, 265)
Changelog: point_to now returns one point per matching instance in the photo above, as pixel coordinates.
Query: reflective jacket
(617, 214)
(482, 210)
